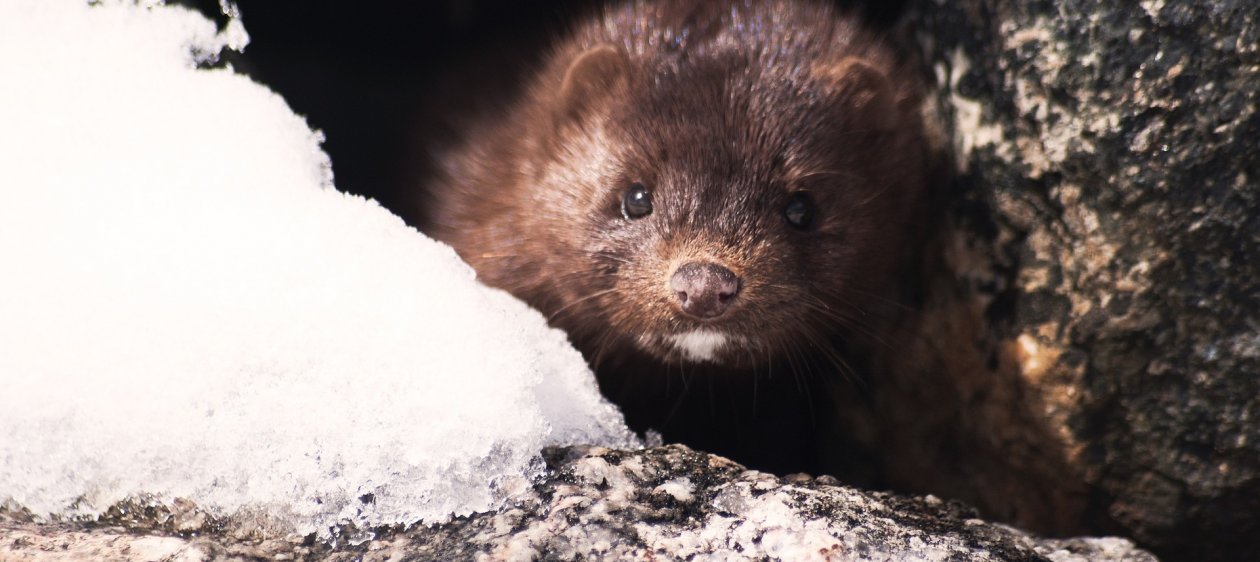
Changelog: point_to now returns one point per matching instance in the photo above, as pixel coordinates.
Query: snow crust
(189, 308)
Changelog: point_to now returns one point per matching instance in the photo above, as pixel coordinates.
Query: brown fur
(722, 110)
(957, 417)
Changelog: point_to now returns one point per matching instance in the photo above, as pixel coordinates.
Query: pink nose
(704, 290)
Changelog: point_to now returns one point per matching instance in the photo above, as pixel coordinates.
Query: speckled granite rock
(1106, 230)
(668, 503)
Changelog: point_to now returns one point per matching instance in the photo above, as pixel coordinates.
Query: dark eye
(799, 211)
(636, 202)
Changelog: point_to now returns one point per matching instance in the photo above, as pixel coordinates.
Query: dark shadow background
(382, 79)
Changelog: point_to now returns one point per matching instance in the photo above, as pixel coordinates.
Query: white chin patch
(699, 345)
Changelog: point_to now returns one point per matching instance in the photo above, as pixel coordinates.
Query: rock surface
(1105, 236)
(667, 503)
(1093, 347)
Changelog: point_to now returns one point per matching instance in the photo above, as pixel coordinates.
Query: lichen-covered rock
(668, 503)
(1105, 239)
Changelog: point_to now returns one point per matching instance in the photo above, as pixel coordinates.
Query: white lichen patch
(972, 131)
(1035, 357)
(680, 489)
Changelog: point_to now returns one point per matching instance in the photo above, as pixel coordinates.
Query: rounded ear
(858, 86)
(595, 75)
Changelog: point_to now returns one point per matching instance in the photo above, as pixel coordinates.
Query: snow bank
(188, 308)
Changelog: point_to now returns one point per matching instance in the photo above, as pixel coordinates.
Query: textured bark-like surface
(668, 503)
(1104, 247)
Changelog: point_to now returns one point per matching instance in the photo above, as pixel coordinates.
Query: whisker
(596, 294)
(611, 257)
(883, 299)
(847, 321)
(827, 173)
(801, 377)
(682, 396)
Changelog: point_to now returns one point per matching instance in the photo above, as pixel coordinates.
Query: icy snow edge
(192, 310)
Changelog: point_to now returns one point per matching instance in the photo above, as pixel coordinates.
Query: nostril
(704, 290)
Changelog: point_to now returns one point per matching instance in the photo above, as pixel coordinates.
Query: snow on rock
(601, 504)
(188, 307)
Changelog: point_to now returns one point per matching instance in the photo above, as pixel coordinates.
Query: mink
(715, 200)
